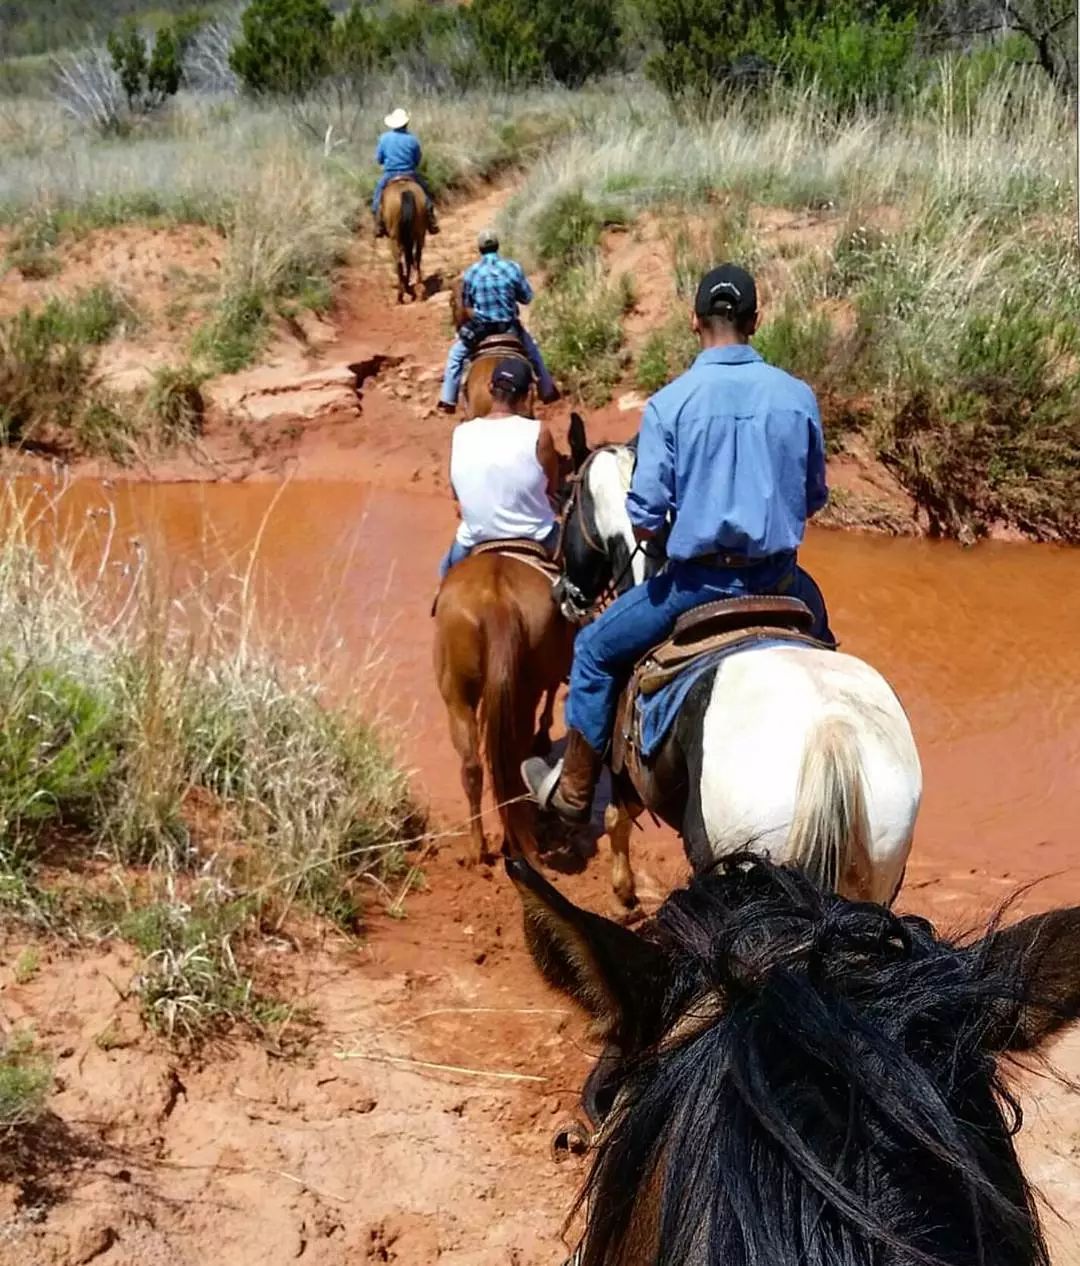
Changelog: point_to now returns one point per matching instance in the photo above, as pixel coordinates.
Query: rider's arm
(817, 489)
(652, 491)
(380, 153)
(523, 291)
(548, 458)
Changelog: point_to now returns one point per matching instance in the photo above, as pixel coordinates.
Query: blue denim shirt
(733, 452)
(398, 152)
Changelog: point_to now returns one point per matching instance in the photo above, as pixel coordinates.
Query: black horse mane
(824, 1094)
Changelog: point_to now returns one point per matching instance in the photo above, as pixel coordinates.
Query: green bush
(26, 1078)
(150, 76)
(579, 322)
(231, 339)
(567, 232)
(666, 353)
(41, 384)
(797, 340)
(285, 46)
(519, 41)
(854, 57)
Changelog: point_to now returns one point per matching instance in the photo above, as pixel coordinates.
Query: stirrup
(543, 792)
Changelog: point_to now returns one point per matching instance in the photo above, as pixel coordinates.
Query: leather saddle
(728, 624)
(526, 551)
(503, 345)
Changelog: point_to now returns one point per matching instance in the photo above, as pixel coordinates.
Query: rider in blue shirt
(731, 458)
(398, 154)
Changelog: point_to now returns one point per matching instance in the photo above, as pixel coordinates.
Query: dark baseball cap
(727, 291)
(513, 375)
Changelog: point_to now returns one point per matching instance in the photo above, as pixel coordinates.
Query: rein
(581, 607)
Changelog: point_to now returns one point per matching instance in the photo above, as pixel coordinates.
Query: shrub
(231, 339)
(175, 403)
(41, 384)
(285, 46)
(854, 58)
(797, 340)
(25, 1080)
(523, 40)
(579, 322)
(567, 231)
(666, 353)
(90, 318)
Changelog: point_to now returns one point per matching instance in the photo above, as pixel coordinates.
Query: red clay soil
(415, 1125)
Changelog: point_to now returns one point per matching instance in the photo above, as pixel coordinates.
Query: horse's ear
(578, 440)
(1039, 958)
(613, 973)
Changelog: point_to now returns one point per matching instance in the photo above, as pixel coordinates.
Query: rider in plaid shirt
(491, 290)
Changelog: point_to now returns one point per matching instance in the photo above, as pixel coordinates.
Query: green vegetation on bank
(151, 737)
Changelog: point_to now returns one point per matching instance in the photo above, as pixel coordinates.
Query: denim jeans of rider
(459, 354)
(607, 649)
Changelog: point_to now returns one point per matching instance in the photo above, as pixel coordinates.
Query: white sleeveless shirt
(500, 486)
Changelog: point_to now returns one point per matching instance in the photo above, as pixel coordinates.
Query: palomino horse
(805, 755)
(790, 1076)
(404, 212)
(476, 387)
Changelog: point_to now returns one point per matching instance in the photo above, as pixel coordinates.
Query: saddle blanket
(656, 713)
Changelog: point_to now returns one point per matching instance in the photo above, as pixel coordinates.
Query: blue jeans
(387, 176)
(457, 551)
(607, 649)
(459, 354)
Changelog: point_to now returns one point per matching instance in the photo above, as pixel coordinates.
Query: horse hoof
(572, 1139)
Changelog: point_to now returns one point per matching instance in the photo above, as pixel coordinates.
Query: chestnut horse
(404, 212)
(476, 387)
(501, 646)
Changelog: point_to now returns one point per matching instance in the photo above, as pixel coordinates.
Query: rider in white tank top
(500, 486)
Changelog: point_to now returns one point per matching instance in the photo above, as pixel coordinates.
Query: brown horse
(404, 212)
(501, 646)
(476, 388)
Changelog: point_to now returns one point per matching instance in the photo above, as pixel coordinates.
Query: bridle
(575, 605)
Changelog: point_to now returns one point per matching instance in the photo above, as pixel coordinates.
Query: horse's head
(794, 1077)
(600, 553)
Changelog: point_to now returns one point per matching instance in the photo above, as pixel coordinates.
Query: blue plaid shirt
(494, 287)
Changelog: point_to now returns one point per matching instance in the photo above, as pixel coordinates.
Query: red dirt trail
(244, 1157)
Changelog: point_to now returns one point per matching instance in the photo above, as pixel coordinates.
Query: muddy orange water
(981, 645)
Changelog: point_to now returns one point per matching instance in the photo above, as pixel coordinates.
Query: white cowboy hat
(397, 118)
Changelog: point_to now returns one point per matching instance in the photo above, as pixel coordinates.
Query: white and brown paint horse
(800, 754)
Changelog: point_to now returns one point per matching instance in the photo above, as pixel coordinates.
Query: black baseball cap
(513, 375)
(727, 291)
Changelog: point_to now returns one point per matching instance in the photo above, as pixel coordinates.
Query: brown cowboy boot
(566, 788)
(432, 220)
(380, 227)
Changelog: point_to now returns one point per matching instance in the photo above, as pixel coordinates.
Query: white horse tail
(830, 831)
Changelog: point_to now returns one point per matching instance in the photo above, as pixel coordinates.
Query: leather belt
(723, 559)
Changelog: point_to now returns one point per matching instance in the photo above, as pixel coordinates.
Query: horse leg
(617, 824)
(465, 736)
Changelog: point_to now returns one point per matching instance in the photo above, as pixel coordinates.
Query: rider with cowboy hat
(731, 463)
(398, 154)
